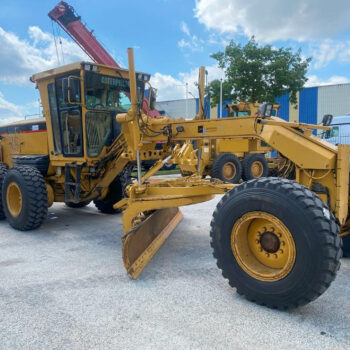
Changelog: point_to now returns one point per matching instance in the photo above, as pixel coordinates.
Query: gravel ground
(64, 287)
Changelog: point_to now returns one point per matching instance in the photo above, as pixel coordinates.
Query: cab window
(334, 132)
(70, 122)
(54, 118)
(103, 92)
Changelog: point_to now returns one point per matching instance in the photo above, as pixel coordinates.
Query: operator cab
(85, 97)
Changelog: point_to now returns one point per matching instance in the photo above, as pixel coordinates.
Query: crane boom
(70, 21)
(66, 17)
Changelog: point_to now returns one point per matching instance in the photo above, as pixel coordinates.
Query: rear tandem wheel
(254, 166)
(226, 167)
(24, 198)
(3, 171)
(276, 242)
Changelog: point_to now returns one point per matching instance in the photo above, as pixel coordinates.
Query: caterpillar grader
(231, 159)
(277, 241)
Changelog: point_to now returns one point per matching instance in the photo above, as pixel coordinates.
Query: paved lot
(64, 287)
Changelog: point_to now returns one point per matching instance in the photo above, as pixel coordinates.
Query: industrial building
(185, 108)
(313, 104)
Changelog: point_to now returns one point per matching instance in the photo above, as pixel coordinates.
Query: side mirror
(71, 90)
(327, 119)
(265, 110)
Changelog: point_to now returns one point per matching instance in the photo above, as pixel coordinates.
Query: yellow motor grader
(277, 241)
(236, 158)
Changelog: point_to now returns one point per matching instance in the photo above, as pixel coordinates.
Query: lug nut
(281, 251)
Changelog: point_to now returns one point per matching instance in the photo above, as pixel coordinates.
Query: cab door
(69, 123)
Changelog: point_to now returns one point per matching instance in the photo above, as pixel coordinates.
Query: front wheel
(77, 205)
(3, 171)
(169, 166)
(346, 246)
(276, 242)
(114, 195)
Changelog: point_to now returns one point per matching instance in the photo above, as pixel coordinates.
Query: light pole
(221, 98)
(187, 100)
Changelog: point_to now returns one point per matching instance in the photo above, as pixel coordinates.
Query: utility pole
(187, 100)
(221, 98)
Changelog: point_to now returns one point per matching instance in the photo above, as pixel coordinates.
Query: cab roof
(343, 119)
(74, 67)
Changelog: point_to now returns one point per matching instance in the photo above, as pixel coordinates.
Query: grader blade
(143, 241)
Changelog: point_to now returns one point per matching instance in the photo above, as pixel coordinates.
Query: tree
(261, 73)
(214, 92)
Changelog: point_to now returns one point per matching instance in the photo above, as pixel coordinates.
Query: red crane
(70, 21)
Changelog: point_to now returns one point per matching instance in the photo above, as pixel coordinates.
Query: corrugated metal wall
(333, 99)
(308, 105)
(283, 111)
(224, 110)
(206, 106)
(177, 108)
(313, 103)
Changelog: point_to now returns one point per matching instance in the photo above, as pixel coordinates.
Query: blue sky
(172, 38)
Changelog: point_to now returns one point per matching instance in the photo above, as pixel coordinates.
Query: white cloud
(8, 107)
(184, 28)
(273, 20)
(20, 58)
(336, 79)
(170, 88)
(10, 112)
(330, 50)
(192, 42)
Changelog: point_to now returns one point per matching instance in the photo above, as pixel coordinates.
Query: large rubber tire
(3, 171)
(34, 197)
(254, 166)
(114, 195)
(78, 205)
(226, 160)
(312, 226)
(346, 246)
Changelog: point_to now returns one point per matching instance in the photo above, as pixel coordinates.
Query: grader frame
(264, 242)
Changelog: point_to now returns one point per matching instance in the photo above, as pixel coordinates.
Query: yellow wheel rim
(257, 169)
(14, 199)
(263, 246)
(229, 170)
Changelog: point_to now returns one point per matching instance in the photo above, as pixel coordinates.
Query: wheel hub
(14, 199)
(257, 169)
(229, 170)
(263, 246)
(270, 242)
